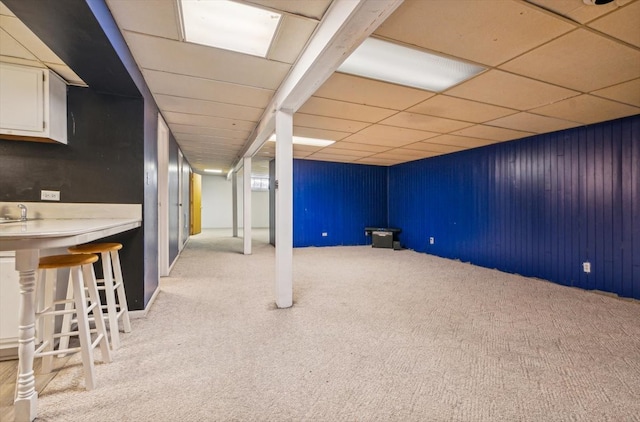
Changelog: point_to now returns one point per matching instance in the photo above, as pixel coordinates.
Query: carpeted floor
(374, 335)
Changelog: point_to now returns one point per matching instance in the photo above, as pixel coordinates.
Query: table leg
(26, 403)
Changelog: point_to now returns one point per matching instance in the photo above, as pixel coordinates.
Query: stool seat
(112, 284)
(95, 248)
(66, 261)
(82, 281)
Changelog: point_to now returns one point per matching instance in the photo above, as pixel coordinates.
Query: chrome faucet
(23, 212)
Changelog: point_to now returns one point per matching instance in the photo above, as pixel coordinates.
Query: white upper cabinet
(33, 104)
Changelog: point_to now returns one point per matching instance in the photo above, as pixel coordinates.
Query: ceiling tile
(406, 154)
(321, 122)
(488, 32)
(301, 154)
(575, 10)
(209, 108)
(344, 152)
(509, 90)
(179, 129)
(22, 62)
(587, 109)
(331, 157)
(344, 110)
(388, 136)
(208, 121)
(212, 63)
(310, 132)
(304, 148)
(532, 123)
(206, 89)
(359, 147)
(460, 141)
(456, 108)
(565, 61)
(159, 18)
(628, 92)
(12, 48)
(492, 132)
(19, 31)
(192, 139)
(379, 161)
(359, 90)
(423, 122)
(624, 24)
(433, 148)
(311, 9)
(291, 37)
(4, 10)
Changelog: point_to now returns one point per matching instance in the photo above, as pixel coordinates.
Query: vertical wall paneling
(540, 206)
(337, 199)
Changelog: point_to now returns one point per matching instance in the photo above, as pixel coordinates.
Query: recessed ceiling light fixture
(299, 140)
(389, 62)
(216, 171)
(229, 25)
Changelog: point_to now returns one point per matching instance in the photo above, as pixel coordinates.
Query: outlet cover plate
(50, 195)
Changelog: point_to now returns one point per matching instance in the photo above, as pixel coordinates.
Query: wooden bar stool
(116, 308)
(82, 277)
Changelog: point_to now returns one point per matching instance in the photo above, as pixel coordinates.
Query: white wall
(217, 207)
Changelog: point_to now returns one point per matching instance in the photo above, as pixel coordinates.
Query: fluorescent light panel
(229, 25)
(217, 171)
(389, 62)
(299, 140)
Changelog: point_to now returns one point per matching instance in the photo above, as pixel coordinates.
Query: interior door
(195, 205)
(163, 197)
(181, 207)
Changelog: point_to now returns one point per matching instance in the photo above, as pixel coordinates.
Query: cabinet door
(9, 302)
(22, 99)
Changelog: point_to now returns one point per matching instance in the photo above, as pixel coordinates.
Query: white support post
(246, 207)
(234, 202)
(284, 208)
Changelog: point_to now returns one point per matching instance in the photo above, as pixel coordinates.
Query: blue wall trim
(337, 199)
(539, 206)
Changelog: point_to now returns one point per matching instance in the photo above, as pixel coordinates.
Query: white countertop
(55, 232)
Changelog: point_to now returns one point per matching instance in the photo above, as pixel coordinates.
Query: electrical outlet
(324, 234)
(586, 267)
(432, 240)
(50, 195)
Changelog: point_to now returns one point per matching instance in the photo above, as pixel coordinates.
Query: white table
(27, 239)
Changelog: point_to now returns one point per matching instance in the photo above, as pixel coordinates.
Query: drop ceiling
(550, 65)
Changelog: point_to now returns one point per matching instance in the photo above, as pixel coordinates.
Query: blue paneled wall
(540, 206)
(337, 199)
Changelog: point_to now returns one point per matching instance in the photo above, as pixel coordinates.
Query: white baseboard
(143, 312)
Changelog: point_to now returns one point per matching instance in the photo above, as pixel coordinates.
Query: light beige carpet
(374, 335)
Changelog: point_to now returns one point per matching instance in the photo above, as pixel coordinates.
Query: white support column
(284, 208)
(234, 202)
(246, 207)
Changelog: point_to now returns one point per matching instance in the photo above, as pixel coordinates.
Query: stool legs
(112, 313)
(122, 297)
(83, 326)
(82, 281)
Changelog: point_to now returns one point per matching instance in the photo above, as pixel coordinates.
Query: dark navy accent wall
(539, 207)
(337, 199)
(102, 163)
